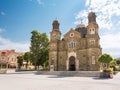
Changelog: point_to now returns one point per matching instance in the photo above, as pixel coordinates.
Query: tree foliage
(39, 48)
(105, 59)
(20, 61)
(27, 58)
(118, 61)
(113, 63)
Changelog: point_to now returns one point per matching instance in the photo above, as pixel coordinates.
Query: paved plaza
(31, 81)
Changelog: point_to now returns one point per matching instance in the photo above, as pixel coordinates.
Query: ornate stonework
(79, 48)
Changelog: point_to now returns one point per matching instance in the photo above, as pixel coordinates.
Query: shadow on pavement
(99, 78)
(56, 77)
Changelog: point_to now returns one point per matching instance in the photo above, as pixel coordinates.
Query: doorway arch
(72, 66)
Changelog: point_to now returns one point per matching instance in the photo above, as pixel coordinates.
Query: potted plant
(107, 73)
(105, 60)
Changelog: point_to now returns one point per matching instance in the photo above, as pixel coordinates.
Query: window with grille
(72, 44)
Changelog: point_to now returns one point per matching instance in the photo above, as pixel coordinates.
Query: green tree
(39, 48)
(27, 58)
(44, 42)
(20, 61)
(105, 59)
(113, 63)
(118, 61)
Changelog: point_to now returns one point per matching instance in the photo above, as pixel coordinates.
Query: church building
(78, 50)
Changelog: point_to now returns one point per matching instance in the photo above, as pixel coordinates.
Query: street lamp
(7, 63)
(52, 65)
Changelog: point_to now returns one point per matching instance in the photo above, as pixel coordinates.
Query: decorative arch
(76, 61)
(72, 64)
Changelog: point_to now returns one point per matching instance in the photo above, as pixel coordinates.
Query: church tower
(93, 44)
(55, 37)
(92, 31)
(55, 34)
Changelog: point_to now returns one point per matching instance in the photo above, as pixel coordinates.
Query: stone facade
(79, 48)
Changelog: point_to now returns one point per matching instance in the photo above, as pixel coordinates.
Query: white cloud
(105, 10)
(108, 18)
(111, 44)
(113, 52)
(2, 13)
(7, 44)
(87, 2)
(111, 41)
(39, 2)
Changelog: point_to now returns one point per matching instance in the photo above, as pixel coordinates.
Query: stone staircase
(70, 73)
(10, 70)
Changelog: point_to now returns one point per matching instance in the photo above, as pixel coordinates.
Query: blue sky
(19, 17)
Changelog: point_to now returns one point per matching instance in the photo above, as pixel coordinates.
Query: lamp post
(7, 63)
(52, 65)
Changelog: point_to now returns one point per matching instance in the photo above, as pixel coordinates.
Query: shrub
(108, 70)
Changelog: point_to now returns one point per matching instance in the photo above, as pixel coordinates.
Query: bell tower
(92, 24)
(55, 37)
(92, 31)
(91, 17)
(55, 25)
(55, 34)
(93, 42)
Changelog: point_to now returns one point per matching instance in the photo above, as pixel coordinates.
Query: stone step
(3, 71)
(10, 70)
(70, 73)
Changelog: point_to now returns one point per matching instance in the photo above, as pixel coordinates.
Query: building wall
(9, 57)
(82, 43)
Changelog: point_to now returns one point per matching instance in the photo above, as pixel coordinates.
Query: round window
(71, 34)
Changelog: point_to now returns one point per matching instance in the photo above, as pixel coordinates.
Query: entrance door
(72, 63)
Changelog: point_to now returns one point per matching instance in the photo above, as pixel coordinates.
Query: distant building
(9, 58)
(78, 50)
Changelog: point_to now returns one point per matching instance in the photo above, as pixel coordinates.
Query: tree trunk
(35, 67)
(26, 65)
(38, 67)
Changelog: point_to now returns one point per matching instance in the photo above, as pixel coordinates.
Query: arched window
(53, 36)
(92, 31)
(92, 42)
(72, 44)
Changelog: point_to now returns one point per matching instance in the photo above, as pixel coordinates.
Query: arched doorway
(72, 63)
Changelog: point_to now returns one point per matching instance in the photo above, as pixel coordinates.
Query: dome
(81, 25)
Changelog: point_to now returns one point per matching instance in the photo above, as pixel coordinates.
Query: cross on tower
(91, 9)
(56, 18)
(81, 20)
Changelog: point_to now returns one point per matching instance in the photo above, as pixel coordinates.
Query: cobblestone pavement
(30, 81)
